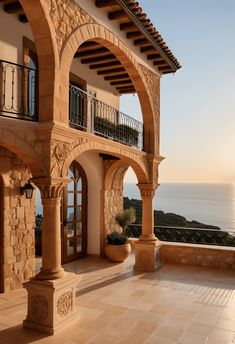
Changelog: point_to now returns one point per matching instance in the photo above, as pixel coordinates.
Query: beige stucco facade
(44, 150)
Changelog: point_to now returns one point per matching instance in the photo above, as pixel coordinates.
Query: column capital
(51, 187)
(147, 190)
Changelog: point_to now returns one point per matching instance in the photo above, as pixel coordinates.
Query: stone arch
(114, 175)
(37, 13)
(24, 151)
(134, 160)
(105, 37)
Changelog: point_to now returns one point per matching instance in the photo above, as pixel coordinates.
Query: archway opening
(97, 82)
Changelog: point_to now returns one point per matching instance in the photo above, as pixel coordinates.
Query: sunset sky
(198, 102)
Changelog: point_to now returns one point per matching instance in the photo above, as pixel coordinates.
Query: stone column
(147, 248)
(51, 294)
(147, 194)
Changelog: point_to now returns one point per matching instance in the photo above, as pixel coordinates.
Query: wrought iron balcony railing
(90, 114)
(188, 235)
(18, 91)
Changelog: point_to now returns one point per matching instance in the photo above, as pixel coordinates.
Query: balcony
(19, 100)
(18, 91)
(90, 114)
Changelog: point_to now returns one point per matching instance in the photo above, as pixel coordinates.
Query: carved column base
(148, 237)
(147, 255)
(51, 303)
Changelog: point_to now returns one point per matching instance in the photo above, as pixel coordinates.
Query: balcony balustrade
(19, 99)
(188, 235)
(18, 91)
(92, 115)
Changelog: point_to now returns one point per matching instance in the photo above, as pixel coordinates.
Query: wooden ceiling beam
(125, 88)
(147, 49)
(134, 34)
(89, 46)
(96, 52)
(116, 15)
(105, 65)
(111, 71)
(105, 3)
(116, 77)
(121, 82)
(98, 59)
(127, 26)
(153, 56)
(141, 41)
(165, 68)
(127, 91)
(159, 63)
(13, 7)
(23, 18)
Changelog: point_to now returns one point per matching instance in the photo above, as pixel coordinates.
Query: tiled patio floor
(176, 304)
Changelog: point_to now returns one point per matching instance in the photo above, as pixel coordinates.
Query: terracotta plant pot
(117, 253)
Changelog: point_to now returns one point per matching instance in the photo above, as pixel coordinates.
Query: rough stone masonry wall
(113, 204)
(19, 224)
(223, 258)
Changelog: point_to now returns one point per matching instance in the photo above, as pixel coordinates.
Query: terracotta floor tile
(176, 304)
(221, 334)
(192, 338)
(167, 332)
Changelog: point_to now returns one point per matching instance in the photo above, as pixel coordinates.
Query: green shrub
(127, 134)
(116, 238)
(125, 218)
(104, 127)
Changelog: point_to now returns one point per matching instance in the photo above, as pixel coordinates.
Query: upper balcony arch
(101, 35)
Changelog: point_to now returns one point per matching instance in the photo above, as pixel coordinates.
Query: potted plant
(117, 248)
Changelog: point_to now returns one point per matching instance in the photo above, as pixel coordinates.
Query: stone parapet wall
(198, 255)
(19, 222)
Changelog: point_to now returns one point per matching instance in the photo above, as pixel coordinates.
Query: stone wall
(113, 204)
(19, 222)
(199, 255)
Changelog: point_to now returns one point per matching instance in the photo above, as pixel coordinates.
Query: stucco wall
(19, 222)
(97, 83)
(11, 37)
(92, 164)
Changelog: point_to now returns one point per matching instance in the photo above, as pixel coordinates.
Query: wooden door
(74, 231)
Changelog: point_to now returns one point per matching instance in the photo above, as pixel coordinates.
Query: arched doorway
(74, 215)
(1, 236)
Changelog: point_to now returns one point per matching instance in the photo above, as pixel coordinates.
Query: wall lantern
(27, 190)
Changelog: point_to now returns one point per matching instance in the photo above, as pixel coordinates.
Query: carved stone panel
(66, 16)
(65, 304)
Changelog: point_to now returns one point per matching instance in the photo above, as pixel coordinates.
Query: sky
(198, 101)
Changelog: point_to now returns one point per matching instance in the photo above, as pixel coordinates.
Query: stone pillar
(51, 294)
(147, 248)
(147, 194)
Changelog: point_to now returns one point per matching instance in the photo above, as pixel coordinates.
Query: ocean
(212, 204)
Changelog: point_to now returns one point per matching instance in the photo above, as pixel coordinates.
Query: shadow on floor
(19, 335)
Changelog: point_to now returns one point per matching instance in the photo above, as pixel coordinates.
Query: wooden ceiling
(137, 28)
(106, 65)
